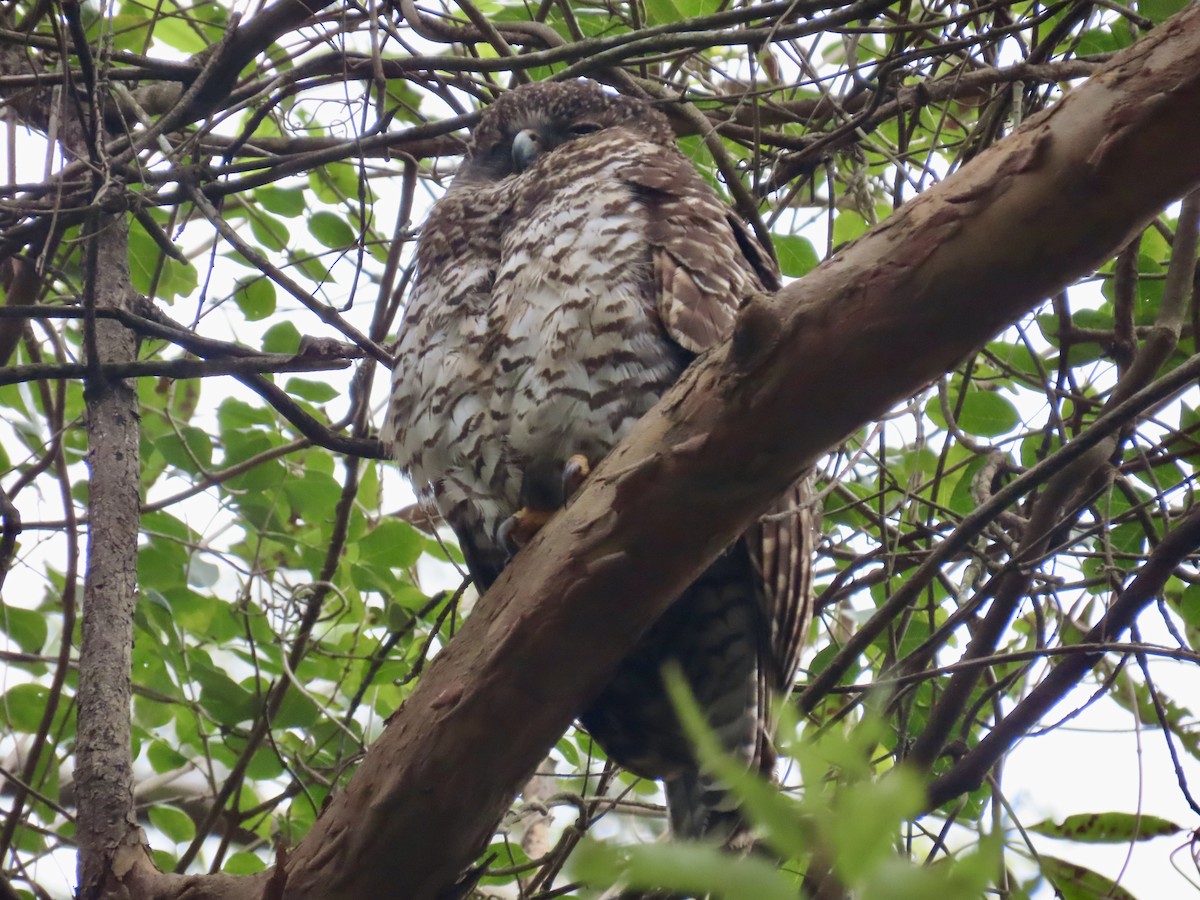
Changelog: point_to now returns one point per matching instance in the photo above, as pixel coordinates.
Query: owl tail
(702, 808)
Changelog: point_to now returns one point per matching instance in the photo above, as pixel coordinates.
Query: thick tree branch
(870, 327)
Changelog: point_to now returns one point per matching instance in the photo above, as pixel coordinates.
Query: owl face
(529, 122)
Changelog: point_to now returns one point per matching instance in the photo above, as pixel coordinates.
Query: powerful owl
(575, 266)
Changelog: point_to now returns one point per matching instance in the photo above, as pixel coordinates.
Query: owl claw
(520, 528)
(575, 472)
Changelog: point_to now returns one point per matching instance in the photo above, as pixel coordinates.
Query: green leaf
(1037, 447)
(287, 202)
(23, 706)
(179, 35)
(335, 182)
(1017, 357)
(847, 226)
(296, 711)
(987, 413)
(161, 564)
(405, 600)
(234, 414)
(682, 867)
(776, 813)
(147, 261)
(176, 280)
(313, 495)
(661, 12)
(690, 9)
(190, 450)
(313, 391)
(566, 748)
(144, 255)
(331, 230)
(1128, 538)
(165, 758)
(962, 498)
(1189, 605)
(1095, 41)
(393, 543)
(314, 269)
(174, 823)
(163, 523)
(1107, 828)
(963, 877)
(26, 627)
(796, 254)
(129, 29)
(865, 818)
(1075, 882)
(150, 713)
(255, 297)
(283, 337)
(224, 699)
(507, 854)
(270, 232)
(201, 573)
(243, 863)
(1160, 10)
(266, 763)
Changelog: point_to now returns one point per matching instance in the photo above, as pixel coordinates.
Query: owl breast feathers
(572, 270)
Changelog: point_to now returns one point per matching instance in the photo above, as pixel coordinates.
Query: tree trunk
(103, 764)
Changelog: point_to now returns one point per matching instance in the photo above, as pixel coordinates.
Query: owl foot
(520, 528)
(575, 473)
(542, 500)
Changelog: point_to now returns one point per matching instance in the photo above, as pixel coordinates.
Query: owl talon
(540, 494)
(520, 528)
(575, 473)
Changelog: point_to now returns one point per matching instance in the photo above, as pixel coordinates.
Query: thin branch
(970, 770)
(174, 368)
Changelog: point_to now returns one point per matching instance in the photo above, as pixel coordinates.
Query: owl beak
(526, 147)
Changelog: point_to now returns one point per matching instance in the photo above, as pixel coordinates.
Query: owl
(573, 269)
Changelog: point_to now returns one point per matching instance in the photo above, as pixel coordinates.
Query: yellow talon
(547, 488)
(575, 472)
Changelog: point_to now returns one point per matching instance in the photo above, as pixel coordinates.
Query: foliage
(840, 830)
(289, 595)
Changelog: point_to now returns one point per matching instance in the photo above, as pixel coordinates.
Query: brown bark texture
(804, 367)
(870, 327)
(103, 763)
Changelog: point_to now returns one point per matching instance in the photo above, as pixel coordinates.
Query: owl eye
(578, 129)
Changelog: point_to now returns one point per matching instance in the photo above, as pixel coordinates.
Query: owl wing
(706, 263)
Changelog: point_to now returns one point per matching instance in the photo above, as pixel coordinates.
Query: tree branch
(175, 368)
(968, 773)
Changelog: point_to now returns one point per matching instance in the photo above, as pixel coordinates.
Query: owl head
(530, 121)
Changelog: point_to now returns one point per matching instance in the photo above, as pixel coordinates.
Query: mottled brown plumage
(573, 269)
